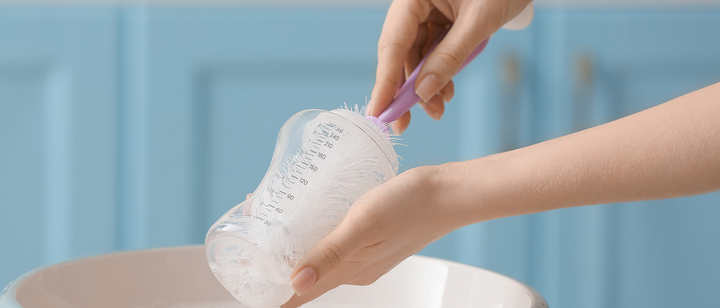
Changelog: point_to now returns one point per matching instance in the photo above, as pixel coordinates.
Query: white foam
(251, 288)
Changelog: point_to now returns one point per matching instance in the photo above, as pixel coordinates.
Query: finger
(376, 262)
(316, 291)
(435, 107)
(366, 264)
(435, 30)
(248, 196)
(401, 124)
(475, 22)
(428, 33)
(437, 17)
(417, 50)
(448, 91)
(328, 254)
(344, 274)
(398, 35)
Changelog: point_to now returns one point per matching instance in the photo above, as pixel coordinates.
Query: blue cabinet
(58, 178)
(138, 126)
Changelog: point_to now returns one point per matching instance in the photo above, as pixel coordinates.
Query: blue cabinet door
(595, 66)
(57, 135)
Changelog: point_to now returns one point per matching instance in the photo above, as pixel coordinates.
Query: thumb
(325, 256)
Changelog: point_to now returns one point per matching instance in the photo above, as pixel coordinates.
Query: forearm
(670, 150)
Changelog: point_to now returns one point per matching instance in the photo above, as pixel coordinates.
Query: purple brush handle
(407, 98)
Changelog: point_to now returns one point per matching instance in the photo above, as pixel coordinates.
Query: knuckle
(449, 56)
(418, 9)
(387, 80)
(333, 254)
(493, 13)
(385, 42)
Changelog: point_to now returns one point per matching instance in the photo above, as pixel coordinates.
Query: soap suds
(248, 286)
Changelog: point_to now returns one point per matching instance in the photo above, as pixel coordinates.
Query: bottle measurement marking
(309, 157)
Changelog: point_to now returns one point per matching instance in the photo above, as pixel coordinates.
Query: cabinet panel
(21, 172)
(608, 64)
(57, 136)
(670, 246)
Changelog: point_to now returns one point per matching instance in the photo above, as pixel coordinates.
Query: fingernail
(436, 115)
(303, 281)
(432, 113)
(396, 129)
(445, 95)
(429, 86)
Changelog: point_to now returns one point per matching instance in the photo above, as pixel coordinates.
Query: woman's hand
(411, 26)
(382, 228)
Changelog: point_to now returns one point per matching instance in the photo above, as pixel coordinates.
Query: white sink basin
(180, 277)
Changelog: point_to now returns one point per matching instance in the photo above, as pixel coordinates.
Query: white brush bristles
(325, 161)
(337, 163)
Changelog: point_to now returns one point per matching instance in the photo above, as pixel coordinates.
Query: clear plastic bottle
(323, 162)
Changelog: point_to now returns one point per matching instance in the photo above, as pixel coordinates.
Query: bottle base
(248, 273)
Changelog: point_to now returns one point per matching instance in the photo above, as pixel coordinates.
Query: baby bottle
(323, 162)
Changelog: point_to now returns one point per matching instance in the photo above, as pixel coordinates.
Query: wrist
(458, 189)
(477, 190)
(483, 189)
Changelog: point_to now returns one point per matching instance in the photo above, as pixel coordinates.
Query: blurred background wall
(128, 125)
